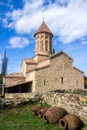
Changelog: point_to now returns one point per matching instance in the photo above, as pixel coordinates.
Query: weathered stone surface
(69, 100)
(85, 108)
(82, 98)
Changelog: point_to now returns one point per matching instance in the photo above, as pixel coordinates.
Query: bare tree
(4, 64)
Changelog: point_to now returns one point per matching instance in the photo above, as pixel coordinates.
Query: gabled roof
(78, 69)
(43, 28)
(59, 53)
(29, 61)
(17, 84)
(14, 75)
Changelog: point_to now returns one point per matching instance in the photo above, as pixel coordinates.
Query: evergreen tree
(4, 64)
(53, 51)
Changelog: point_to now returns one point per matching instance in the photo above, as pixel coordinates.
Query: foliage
(4, 64)
(1, 81)
(53, 51)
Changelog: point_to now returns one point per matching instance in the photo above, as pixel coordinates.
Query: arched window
(46, 46)
(41, 44)
(37, 45)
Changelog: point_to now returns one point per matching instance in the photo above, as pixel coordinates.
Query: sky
(20, 19)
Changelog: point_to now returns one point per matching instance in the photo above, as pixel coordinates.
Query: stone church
(44, 71)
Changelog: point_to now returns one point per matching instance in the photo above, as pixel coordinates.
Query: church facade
(44, 71)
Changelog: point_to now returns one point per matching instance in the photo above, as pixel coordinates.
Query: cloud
(18, 42)
(67, 19)
(84, 40)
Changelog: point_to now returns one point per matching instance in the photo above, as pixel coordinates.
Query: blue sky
(67, 20)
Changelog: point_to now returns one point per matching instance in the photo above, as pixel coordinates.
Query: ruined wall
(73, 103)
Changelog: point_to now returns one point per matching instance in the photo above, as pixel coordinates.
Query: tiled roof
(27, 60)
(17, 84)
(14, 75)
(43, 28)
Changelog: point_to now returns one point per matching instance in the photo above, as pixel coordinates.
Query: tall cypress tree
(53, 51)
(4, 64)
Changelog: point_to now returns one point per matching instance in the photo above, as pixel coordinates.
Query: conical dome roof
(43, 28)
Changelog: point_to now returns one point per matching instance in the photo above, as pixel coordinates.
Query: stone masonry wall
(31, 77)
(73, 103)
(61, 67)
(59, 75)
(43, 43)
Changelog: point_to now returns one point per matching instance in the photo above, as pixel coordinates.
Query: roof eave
(43, 32)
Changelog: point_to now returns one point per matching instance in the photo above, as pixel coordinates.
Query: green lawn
(21, 118)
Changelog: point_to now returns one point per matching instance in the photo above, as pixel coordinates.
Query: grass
(21, 118)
